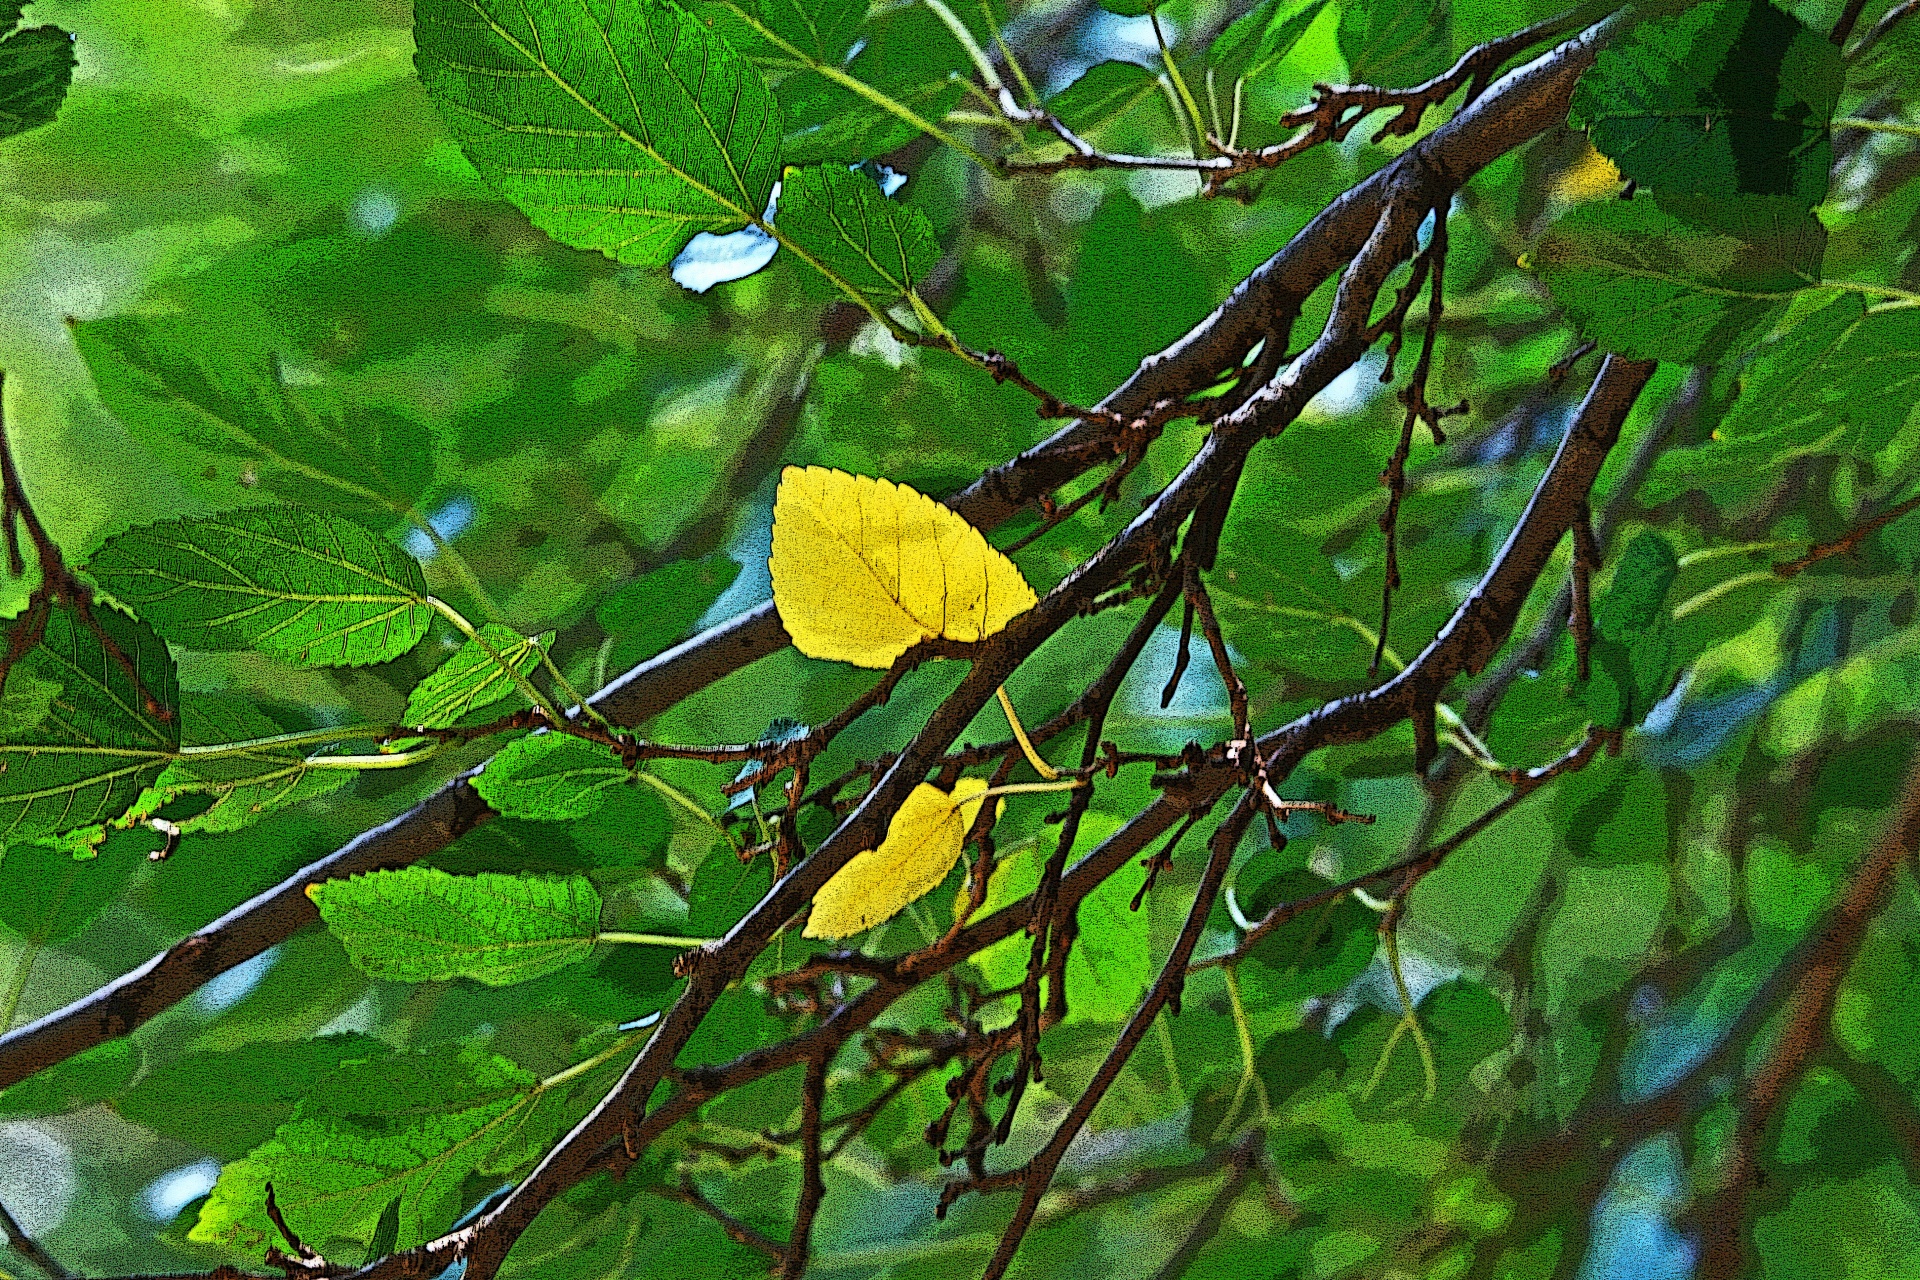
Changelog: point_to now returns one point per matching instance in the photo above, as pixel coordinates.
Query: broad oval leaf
(313, 588)
(550, 777)
(864, 569)
(1732, 97)
(1680, 278)
(1109, 91)
(420, 924)
(618, 127)
(472, 679)
(93, 718)
(923, 842)
(879, 248)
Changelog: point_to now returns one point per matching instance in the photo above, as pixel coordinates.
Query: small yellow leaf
(864, 569)
(923, 842)
(1590, 177)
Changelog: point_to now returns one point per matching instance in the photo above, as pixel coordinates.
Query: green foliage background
(250, 268)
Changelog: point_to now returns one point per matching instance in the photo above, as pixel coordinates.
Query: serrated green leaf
(312, 588)
(230, 1102)
(36, 66)
(209, 394)
(1680, 278)
(552, 777)
(1109, 91)
(107, 734)
(1398, 43)
(1732, 97)
(420, 924)
(472, 679)
(780, 29)
(1256, 41)
(410, 1126)
(878, 246)
(618, 127)
(1841, 380)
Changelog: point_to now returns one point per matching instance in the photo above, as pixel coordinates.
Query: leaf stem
(1878, 126)
(1179, 84)
(982, 63)
(687, 802)
(1718, 589)
(652, 939)
(1040, 766)
(302, 737)
(389, 760)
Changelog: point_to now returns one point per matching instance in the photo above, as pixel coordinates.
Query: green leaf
(1109, 91)
(471, 679)
(552, 777)
(1732, 97)
(247, 785)
(313, 588)
(230, 1102)
(1841, 380)
(207, 396)
(386, 1232)
(1680, 278)
(650, 614)
(909, 62)
(93, 1076)
(1256, 41)
(411, 1127)
(618, 127)
(1632, 634)
(107, 734)
(36, 66)
(420, 924)
(821, 32)
(878, 246)
(1396, 43)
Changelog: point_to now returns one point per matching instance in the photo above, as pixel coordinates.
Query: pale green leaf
(472, 678)
(552, 777)
(420, 924)
(313, 588)
(618, 127)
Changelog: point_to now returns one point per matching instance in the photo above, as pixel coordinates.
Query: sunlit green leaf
(553, 777)
(473, 679)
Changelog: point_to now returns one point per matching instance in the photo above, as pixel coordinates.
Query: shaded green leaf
(1109, 91)
(230, 1102)
(473, 678)
(106, 735)
(313, 588)
(1632, 634)
(622, 128)
(36, 66)
(647, 615)
(1732, 97)
(420, 924)
(386, 1232)
(1841, 380)
(1680, 278)
(207, 397)
(1258, 39)
(908, 59)
(553, 777)
(879, 247)
(1396, 44)
(93, 1076)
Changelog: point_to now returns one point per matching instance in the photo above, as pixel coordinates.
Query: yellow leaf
(1591, 177)
(864, 569)
(923, 842)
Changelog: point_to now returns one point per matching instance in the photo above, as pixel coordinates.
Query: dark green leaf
(212, 400)
(473, 678)
(313, 588)
(552, 777)
(878, 247)
(1841, 380)
(648, 615)
(1396, 44)
(36, 65)
(1680, 278)
(230, 1102)
(106, 735)
(1632, 627)
(94, 1076)
(1732, 97)
(1109, 91)
(386, 1232)
(420, 924)
(618, 127)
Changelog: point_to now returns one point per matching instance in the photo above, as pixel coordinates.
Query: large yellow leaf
(923, 842)
(864, 569)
